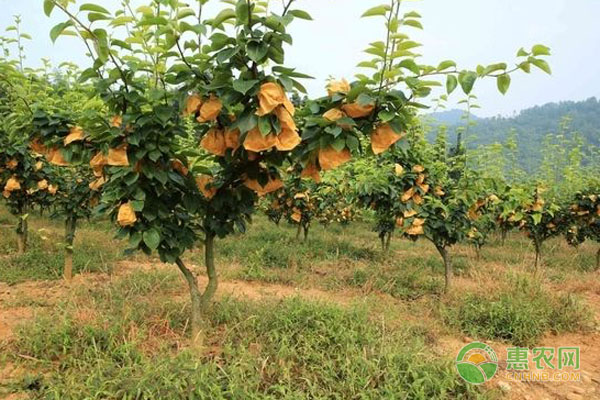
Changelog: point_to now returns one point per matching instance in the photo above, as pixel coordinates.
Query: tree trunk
(70, 227)
(200, 301)
(298, 231)
(447, 267)
(477, 251)
(598, 259)
(22, 234)
(504, 233)
(388, 241)
(306, 233)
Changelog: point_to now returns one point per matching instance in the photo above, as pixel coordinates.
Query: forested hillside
(531, 126)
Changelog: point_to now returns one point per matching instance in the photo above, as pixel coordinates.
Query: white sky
(467, 31)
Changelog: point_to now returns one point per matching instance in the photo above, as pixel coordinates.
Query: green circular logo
(477, 363)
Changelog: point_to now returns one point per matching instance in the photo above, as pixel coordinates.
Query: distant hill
(531, 125)
(450, 117)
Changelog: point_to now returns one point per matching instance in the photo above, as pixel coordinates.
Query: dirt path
(22, 301)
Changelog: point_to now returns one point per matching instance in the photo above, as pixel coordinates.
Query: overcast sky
(468, 31)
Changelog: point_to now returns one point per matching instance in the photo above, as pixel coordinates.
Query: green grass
(271, 253)
(408, 283)
(95, 251)
(292, 349)
(270, 246)
(520, 314)
(127, 338)
(40, 263)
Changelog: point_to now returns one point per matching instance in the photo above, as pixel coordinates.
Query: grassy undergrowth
(128, 339)
(124, 341)
(95, 251)
(45, 257)
(519, 313)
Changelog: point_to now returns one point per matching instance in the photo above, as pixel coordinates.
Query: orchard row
(183, 121)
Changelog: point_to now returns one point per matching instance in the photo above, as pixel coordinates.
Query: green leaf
(503, 83)
(368, 64)
(198, 29)
(130, 179)
(286, 82)
(522, 53)
(493, 68)
(393, 25)
(376, 11)
(243, 86)
(223, 16)
(88, 74)
(135, 239)
(410, 65)
(376, 51)
(56, 31)
(93, 17)
(121, 20)
(153, 21)
(300, 87)
(93, 8)
(301, 14)
(352, 143)
(525, 66)
(264, 125)
(541, 64)
(355, 92)
(257, 50)
(48, 7)
(151, 238)
(540, 50)
(242, 12)
(446, 64)
(429, 83)
(364, 99)
(467, 80)
(186, 12)
(164, 113)
(291, 72)
(412, 14)
(339, 144)
(275, 23)
(226, 54)
(146, 10)
(408, 44)
(219, 40)
(451, 83)
(247, 122)
(120, 43)
(386, 116)
(276, 54)
(413, 22)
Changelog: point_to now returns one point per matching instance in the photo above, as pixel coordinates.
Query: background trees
(584, 219)
(27, 183)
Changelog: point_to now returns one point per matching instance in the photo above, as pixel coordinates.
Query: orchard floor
(332, 317)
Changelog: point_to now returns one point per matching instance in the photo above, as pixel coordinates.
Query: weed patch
(520, 314)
